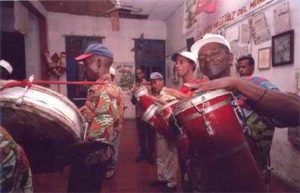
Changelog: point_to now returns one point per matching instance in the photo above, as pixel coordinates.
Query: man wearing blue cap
(167, 158)
(103, 112)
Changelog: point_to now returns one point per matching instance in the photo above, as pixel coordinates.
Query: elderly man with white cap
(5, 70)
(258, 94)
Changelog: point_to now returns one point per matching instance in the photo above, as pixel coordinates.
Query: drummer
(167, 162)
(146, 134)
(215, 59)
(102, 112)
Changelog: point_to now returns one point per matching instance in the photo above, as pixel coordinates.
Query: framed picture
(264, 58)
(283, 48)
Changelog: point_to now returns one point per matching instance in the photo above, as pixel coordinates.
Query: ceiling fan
(116, 10)
(120, 7)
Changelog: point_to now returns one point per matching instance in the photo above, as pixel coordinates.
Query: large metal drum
(42, 121)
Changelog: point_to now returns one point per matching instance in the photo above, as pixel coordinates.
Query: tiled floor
(130, 176)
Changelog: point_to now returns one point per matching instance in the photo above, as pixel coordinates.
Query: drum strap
(232, 151)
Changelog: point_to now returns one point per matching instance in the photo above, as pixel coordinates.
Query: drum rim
(76, 135)
(150, 111)
(54, 93)
(10, 102)
(186, 104)
(167, 105)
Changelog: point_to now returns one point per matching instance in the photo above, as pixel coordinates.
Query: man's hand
(173, 92)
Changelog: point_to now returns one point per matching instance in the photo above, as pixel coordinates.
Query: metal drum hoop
(151, 110)
(192, 102)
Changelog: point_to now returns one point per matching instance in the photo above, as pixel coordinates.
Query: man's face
(92, 68)
(183, 66)
(157, 85)
(244, 68)
(215, 60)
(139, 75)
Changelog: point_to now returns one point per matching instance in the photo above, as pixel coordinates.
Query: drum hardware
(240, 114)
(20, 100)
(209, 128)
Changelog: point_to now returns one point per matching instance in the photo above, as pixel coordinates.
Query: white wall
(120, 42)
(285, 158)
(32, 48)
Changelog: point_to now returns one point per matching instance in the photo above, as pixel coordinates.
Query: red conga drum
(150, 117)
(215, 134)
(172, 130)
(141, 95)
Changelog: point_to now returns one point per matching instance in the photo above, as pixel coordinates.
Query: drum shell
(151, 118)
(44, 124)
(227, 135)
(224, 156)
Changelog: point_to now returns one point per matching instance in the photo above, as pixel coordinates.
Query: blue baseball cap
(156, 75)
(95, 49)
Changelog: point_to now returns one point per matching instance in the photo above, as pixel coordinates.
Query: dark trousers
(146, 136)
(87, 178)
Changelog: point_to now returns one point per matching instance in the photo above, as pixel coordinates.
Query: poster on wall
(259, 28)
(245, 33)
(282, 20)
(235, 49)
(124, 74)
(189, 20)
(171, 74)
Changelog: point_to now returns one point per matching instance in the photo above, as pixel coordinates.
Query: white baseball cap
(156, 75)
(112, 71)
(186, 54)
(6, 66)
(209, 38)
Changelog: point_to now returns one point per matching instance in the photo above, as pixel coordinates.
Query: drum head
(44, 124)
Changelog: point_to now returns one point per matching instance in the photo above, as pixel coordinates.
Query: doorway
(76, 45)
(150, 56)
(13, 51)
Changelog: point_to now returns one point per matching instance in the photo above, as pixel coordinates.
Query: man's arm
(282, 107)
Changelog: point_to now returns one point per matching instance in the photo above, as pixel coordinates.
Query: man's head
(245, 65)
(214, 55)
(5, 70)
(185, 62)
(98, 60)
(157, 82)
(139, 75)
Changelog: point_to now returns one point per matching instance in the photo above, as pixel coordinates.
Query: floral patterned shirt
(103, 108)
(15, 173)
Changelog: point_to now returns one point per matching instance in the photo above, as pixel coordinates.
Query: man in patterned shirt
(102, 111)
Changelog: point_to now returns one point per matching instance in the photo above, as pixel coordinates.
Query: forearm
(282, 107)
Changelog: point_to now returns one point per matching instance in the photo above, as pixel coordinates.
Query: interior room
(87, 103)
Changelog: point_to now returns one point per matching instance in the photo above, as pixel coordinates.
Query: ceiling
(151, 9)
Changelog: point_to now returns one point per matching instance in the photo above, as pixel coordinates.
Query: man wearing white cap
(215, 59)
(5, 70)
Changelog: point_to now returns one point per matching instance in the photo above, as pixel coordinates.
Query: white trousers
(167, 161)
